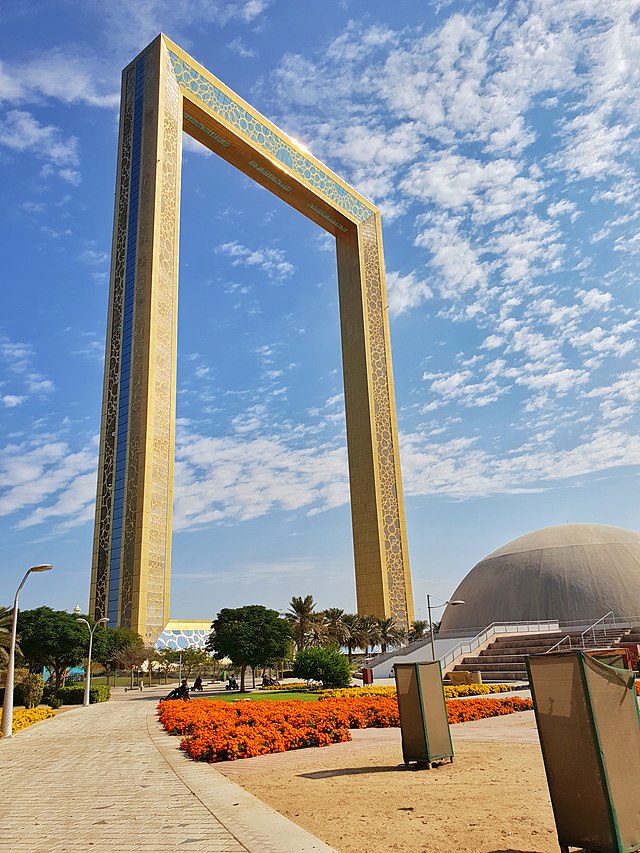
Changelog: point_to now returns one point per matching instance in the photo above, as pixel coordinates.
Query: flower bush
(220, 731)
(450, 692)
(463, 711)
(23, 717)
(455, 691)
(298, 686)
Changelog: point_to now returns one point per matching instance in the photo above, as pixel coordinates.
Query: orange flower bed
(221, 731)
(464, 710)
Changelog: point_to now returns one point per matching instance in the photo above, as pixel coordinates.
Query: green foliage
(74, 694)
(250, 636)
(419, 630)
(51, 638)
(115, 645)
(6, 621)
(327, 665)
(28, 692)
(307, 626)
(193, 659)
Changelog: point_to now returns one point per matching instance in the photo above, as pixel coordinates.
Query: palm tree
(301, 616)
(317, 635)
(6, 621)
(355, 640)
(338, 631)
(390, 634)
(370, 632)
(419, 630)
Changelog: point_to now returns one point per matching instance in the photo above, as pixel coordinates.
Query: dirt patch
(359, 798)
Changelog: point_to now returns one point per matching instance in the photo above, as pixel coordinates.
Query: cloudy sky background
(502, 147)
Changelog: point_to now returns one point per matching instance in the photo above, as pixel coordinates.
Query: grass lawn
(265, 696)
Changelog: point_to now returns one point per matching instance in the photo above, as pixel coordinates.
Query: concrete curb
(255, 825)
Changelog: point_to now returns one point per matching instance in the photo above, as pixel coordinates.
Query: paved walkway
(108, 777)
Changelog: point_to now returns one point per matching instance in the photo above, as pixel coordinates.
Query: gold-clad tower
(164, 91)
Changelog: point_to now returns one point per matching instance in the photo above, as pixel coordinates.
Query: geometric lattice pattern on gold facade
(164, 91)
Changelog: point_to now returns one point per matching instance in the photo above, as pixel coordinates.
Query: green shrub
(28, 692)
(54, 702)
(74, 695)
(327, 665)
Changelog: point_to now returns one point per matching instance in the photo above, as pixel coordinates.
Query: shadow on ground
(353, 771)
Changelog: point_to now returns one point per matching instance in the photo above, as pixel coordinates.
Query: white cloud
(12, 400)
(405, 292)
(40, 470)
(238, 47)
(60, 75)
(271, 261)
(491, 190)
(234, 479)
(21, 131)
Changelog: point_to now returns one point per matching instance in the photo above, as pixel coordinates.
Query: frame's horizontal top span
(203, 89)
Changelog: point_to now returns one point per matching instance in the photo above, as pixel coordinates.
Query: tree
(116, 640)
(193, 659)
(327, 665)
(131, 656)
(302, 616)
(250, 636)
(6, 621)
(168, 659)
(419, 630)
(356, 639)
(390, 634)
(337, 629)
(370, 630)
(51, 638)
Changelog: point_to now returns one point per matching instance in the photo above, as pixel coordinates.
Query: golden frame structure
(164, 91)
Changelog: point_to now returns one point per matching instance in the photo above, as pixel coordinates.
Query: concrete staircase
(504, 658)
(632, 635)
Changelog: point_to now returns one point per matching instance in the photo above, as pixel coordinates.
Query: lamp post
(87, 676)
(7, 707)
(454, 603)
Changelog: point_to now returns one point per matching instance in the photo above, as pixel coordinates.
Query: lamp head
(46, 567)
(103, 620)
(84, 622)
(456, 602)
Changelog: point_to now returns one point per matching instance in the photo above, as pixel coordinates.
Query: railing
(581, 643)
(468, 646)
(559, 643)
(591, 628)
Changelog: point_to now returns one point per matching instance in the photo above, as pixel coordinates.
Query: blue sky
(500, 142)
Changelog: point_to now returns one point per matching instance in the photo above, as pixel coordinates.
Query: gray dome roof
(570, 572)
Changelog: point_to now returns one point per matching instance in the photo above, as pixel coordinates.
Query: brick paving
(107, 777)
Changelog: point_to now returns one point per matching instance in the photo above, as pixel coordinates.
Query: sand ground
(359, 796)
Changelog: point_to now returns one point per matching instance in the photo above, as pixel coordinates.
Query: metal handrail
(592, 627)
(490, 631)
(559, 643)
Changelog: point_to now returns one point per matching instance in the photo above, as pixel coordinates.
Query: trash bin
(587, 719)
(367, 675)
(423, 713)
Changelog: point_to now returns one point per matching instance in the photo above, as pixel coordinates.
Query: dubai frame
(164, 91)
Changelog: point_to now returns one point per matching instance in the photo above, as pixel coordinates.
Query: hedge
(75, 695)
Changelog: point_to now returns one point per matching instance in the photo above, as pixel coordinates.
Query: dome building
(571, 572)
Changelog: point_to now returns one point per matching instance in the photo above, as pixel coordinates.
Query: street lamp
(454, 603)
(87, 676)
(7, 707)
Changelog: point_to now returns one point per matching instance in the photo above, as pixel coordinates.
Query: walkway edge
(258, 827)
